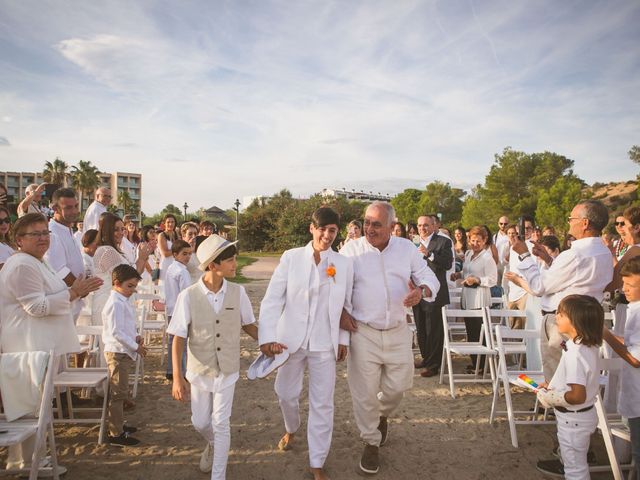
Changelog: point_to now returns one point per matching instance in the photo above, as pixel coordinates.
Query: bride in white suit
(301, 313)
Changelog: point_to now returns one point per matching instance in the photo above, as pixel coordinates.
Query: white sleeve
(181, 318)
(547, 281)
(274, 301)
(489, 271)
(246, 310)
(27, 286)
(184, 280)
(56, 257)
(422, 275)
(108, 259)
(575, 368)
(117, 317)
(344, 337)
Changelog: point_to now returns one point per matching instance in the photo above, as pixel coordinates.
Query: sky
(217, 100)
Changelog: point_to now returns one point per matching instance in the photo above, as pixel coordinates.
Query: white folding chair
(499, 317)
(153, 328)
(91, 377)
(507, 341)
(17, 431)
(452, 347)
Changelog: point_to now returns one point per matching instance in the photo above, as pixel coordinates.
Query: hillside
(615, 195)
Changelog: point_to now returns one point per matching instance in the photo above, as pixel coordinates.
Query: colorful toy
(528, 381)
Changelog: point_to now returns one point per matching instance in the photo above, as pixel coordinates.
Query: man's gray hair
(30, 188)
(596, 213)
(387, 207)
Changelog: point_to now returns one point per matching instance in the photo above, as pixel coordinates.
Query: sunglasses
(503, 224)
(5, 220)
(619, 224)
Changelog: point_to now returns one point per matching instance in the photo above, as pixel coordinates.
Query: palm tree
(55, 172)
(125, 201)
(85, 178)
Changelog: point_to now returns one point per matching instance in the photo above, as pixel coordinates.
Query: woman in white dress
(165, 240)
(189, 232)
(36, 306)
(108, 256)
(6, 245)
(479, 274)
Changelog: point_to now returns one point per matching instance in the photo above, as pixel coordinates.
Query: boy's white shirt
(181, 319)
(177, 280)
(578, 365)
(629, 398)
(119, 325)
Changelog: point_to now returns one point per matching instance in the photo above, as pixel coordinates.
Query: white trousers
(210, 414)
(574, 434)
(380, 369)
(322, 381)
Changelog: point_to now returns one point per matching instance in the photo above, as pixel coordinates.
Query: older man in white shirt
(585, 269)
(389, 275)
(97, 208)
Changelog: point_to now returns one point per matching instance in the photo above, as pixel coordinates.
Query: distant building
(218, 215)
(355, 195)
(16, 182)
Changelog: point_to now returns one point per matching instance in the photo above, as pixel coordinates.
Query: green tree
(442, 198)
(556, 203)
(55, 172)
(634, 154)
(85, 178)
(513, 185)
(407, 205)
(125, 202)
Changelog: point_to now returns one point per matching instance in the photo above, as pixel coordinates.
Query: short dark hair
(596, 213)
(144, 232)
(179, 245)
(551, 241)
(632, 267)
(227, 253)
(325, 216)
(632, 214)
(89, 237)
(124, 272)
(528, 218)
(587, 317)
(62, 193)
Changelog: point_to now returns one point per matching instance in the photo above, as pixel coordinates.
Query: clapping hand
(84, 286)
(144, 250)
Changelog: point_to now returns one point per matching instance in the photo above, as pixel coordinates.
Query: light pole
(237, 204)
(185, 206)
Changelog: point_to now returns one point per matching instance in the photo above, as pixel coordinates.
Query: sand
(431, 436)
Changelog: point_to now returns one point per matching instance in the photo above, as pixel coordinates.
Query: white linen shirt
(629, 398)
(179, 326)
(318, 337)
(578, 365)
(515, 292)
(129, 250)
(177, 280)
(585, 269)
(92, 216)
(63, 254)
(119, 325)
(381, 279)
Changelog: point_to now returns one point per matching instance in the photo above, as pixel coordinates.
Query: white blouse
(5, 252)
(483, 266)
(35, 308)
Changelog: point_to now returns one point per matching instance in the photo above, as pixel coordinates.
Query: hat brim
(203, 266)
(264, 365)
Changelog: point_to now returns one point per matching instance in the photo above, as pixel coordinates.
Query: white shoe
(206, 459)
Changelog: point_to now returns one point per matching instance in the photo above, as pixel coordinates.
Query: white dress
(165, 261)
(35, 308)
(105, 260)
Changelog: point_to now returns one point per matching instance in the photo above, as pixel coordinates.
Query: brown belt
(548, 312)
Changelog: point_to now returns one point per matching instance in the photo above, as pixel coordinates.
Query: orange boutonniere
(331, 272)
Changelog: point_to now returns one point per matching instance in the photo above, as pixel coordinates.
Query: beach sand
(431, 435)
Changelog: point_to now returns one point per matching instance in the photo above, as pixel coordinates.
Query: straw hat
(264, 365)
(210, 249)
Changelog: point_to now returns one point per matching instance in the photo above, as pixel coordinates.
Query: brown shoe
(370, 462)
(428, 372)
(383, 426)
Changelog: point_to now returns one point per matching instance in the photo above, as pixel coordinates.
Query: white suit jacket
(284, 311)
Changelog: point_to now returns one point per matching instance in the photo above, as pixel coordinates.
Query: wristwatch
(524, 255)
(424, 295)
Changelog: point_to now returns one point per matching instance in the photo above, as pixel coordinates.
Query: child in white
(628, 347)
(177, 279)
(210, 314)
(574, 386)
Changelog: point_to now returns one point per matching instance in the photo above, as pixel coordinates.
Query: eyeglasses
(502, 224)
(5, 220)
(618, 224)
(44, 233)
(574, 218)
(374, 225)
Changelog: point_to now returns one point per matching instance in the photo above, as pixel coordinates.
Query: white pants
(380, 369)
(322, 381)
(574, 434)
(210, 414)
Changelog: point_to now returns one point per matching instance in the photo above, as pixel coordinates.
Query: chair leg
(444, 352)
(452, 386)
(54, 454)
(59, 403)
(510, 415)
(69, 402)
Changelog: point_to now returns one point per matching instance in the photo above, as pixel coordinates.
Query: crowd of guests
(49, 265)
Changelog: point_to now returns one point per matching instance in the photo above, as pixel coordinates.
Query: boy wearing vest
(209, 315)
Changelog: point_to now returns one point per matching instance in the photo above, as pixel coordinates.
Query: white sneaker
(206, 459)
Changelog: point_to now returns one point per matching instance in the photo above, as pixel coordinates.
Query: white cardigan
(35, 310)
(483, 267)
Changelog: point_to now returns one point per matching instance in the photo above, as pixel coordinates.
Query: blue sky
(214, 100)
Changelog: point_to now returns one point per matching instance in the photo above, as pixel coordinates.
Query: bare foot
(318, 474)
(286, 442)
